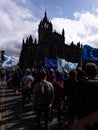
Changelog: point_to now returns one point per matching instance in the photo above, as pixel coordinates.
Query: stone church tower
(44, 29)
(50, 44)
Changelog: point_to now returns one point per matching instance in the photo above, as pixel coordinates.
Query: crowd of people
(74, 94)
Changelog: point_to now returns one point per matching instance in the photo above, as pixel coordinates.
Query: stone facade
(50, 44)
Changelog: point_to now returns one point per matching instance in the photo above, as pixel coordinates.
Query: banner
(50, 63)
(8, 60)
(63, 64)
(90, 53)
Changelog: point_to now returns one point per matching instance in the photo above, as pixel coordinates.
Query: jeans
(46, 113)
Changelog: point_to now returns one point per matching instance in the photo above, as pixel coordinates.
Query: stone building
(50, 44)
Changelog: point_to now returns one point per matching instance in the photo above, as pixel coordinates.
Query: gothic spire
(45, 17)
(45, 14)
(63, 32)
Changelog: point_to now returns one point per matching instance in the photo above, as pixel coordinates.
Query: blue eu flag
(90, 53)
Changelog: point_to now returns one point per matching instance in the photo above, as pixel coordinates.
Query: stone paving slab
(14, 115)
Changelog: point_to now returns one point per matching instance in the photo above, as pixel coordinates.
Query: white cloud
(73, 29)
(81, 29)
(76, 14)
(89, 19)
(18, 21)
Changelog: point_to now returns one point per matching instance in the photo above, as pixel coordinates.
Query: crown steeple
(45, 14)
(45, 27)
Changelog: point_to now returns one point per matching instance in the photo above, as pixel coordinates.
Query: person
(91, 70)
(3, 73)
(70, 92)
(27, 86)
(58, 97)
(16, 79)
(88, 91)
(42, 100)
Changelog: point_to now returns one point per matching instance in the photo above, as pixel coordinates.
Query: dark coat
(88, 96)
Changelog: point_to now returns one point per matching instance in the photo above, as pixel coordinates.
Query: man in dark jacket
(88, 91)
(42, 100)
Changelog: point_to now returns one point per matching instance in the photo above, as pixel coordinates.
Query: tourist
(42, 100)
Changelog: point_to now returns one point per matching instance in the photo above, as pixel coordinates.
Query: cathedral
(50, 44)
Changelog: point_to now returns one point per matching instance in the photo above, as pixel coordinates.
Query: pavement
(13, 116)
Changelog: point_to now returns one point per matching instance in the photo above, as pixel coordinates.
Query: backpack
(26, 82)
(45, 90)
(45, 95)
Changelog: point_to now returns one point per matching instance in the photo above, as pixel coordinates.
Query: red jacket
(58, 94)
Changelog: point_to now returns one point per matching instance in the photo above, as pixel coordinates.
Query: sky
(20, 18)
